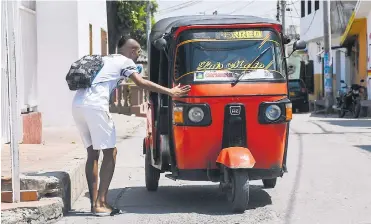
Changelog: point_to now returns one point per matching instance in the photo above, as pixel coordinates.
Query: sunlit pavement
(329, 181)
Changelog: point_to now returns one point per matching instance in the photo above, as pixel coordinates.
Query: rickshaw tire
(341, 113)
(357, 110)
(151, 173)
(269, 183)
(240, 182)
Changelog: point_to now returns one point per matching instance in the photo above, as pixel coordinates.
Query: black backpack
(83, 72)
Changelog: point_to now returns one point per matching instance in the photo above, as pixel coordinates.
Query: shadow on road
(362, 123)
(364, 147)
(198, 199)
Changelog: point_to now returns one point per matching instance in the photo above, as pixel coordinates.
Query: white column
(12, 8)
(369, 56)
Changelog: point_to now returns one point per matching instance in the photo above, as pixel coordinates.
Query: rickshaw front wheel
(238, 194)
(152, 174)
(269, 183)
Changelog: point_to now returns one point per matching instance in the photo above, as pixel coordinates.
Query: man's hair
(122, 41)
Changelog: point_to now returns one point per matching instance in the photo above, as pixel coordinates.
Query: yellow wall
(362, 61)
(317, 87)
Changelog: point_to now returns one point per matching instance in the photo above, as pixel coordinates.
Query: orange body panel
(197, 147)
(240, 89)
(236, 157)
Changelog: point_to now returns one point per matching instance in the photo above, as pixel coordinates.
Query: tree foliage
(132, 18)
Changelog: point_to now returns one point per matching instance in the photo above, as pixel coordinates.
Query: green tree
(128, 18)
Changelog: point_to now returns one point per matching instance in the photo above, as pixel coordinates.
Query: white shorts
(96, 128)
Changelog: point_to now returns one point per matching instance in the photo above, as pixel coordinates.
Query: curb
(47, 210)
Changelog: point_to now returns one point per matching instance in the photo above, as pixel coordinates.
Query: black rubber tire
(239, 197)
(341, 113)
(357, 110)
(152, 174)
(269, 183)
(304, 108)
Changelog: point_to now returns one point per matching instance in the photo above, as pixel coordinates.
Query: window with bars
(316, 5)
(309, 7)
(302, 8)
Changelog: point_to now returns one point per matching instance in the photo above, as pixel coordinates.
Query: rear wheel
(269, 183)
(341, 113)
(304, 108)
(152, 174)
(356, 109)
(238, 194)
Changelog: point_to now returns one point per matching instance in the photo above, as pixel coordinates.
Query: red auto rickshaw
(233, 126)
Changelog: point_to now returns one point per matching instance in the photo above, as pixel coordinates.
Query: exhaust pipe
(335, 107)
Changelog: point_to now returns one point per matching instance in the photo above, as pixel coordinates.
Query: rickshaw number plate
(235, 110)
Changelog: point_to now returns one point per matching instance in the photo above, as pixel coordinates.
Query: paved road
(329, 181)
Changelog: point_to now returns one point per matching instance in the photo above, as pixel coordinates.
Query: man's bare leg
(106, 174)
(91, 171)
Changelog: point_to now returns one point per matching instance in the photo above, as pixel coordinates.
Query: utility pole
(327, 55)
(11, 18)
(148, 28)
(278, 11)
(283, 14)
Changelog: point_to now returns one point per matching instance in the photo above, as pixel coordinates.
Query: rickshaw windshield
(228, 55)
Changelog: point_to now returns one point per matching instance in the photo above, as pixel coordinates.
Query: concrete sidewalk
(56, 169)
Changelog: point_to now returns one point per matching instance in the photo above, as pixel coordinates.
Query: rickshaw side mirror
(286, 40)
(160, 44)
(299, 45)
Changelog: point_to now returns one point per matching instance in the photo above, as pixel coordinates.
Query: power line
(292, 3)
(238, 9)
(295, 9)
(311, 22)
(175, 6)
(224, 3)
(179, 6)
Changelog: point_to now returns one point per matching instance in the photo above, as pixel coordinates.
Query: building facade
(49, 36)
(311, 30)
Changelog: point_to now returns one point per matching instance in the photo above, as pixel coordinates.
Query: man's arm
(153, 87)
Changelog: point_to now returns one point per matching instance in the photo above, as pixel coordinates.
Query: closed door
(104, 42)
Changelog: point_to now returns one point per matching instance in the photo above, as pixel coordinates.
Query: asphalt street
(329, 181)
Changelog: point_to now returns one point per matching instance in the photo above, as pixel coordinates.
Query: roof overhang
(357, 20)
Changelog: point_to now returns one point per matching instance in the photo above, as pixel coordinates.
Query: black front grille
(234, 131)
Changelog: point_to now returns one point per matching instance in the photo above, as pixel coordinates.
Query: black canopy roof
(165, 25)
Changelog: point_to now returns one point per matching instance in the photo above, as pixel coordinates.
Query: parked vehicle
(350, 101)
(233, 126)
(299, 95)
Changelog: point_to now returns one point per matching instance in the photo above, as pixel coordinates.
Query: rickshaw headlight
(273, 112)
(196, 114)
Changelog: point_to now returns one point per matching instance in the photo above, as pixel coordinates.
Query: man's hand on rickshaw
(179, 91)
(151, 86)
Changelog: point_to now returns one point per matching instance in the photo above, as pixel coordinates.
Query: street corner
(46, 210)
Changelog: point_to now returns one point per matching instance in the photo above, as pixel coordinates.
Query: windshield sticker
(224, 75)
(240, 64)
(218, 75)
(243, 34)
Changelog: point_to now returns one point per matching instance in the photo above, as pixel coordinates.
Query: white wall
(62, 38)
(311, 26)
(95, 13)
(57, 47)
(28, 57)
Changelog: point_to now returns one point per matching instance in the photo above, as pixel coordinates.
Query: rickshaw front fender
(236, 158)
